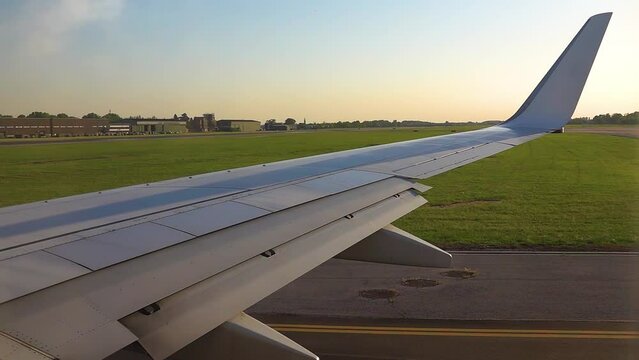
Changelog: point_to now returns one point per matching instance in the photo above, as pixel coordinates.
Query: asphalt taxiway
(493, 305)
(347, 338)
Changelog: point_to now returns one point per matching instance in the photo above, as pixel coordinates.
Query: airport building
(202, 123)
(159, 126)
(31, 127)
(277, 127)
(238, 125)
(147, 126)
(119, 129)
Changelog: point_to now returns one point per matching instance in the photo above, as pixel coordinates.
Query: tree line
(46, 115)
(616, 118)
(382, 124)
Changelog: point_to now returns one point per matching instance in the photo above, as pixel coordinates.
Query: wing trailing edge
(391, 245)
(244, 337)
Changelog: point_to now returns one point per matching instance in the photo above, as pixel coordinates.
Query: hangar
(147, 126)
(154, 126)
(238, 125)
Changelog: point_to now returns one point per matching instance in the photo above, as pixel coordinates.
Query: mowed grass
(563, 191)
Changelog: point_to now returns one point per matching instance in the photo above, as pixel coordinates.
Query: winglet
(551, 105)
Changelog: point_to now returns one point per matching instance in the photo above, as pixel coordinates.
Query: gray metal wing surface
(162, 264)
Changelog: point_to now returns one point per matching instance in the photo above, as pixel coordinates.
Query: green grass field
(564, 191)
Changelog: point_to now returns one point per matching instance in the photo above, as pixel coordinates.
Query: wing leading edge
(158, 264)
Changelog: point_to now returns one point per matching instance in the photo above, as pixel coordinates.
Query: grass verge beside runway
(563, 191)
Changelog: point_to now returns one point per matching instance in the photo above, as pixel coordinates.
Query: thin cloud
(44, 27)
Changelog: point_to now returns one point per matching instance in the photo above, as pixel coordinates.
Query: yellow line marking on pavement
(416, 331)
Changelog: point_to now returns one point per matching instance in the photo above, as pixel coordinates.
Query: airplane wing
(163, 264)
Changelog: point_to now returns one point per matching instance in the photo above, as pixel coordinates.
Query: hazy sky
(323, 60)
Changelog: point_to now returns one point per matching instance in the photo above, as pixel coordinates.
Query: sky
(324, 60)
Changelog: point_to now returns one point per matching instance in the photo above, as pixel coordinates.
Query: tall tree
(39, 115)
(91, 116)
(289, 121)
(112, 117)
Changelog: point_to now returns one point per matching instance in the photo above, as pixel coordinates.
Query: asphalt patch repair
(375, 294)
(419, 282)
(466, 273)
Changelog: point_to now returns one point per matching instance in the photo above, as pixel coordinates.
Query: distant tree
(632, 118)
(616, 118)
(39, 115)
(289, 121)
(268, 123)
(175, 117)
(21, 116)
(62, 116)
(6, 116)
(112, 117)
(184, 117)
(601, 119)
(579, 120)
(91, 116)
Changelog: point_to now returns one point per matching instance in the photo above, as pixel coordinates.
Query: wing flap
(391, 245)
(86, 303)
(110, 248)
(63, 216)
(192, 312)
(24, 274)
(14, 349)
(207, 219)
(243, 337)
